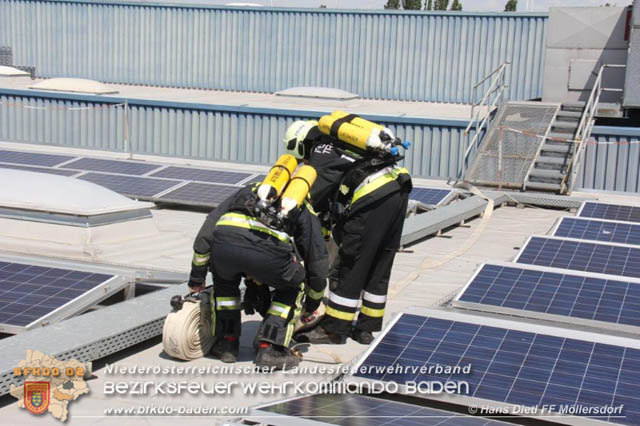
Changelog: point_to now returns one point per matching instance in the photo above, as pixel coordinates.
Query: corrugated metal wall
(614, 164)
(251, 135)
(207, 132)
(424, 56)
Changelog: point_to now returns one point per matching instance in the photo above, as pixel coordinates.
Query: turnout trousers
(277, 268)
(368, 241)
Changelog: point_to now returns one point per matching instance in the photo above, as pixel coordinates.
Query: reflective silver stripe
(280, 309)
(375, 298)
(351, 303)
(373, 177)
(228, 302)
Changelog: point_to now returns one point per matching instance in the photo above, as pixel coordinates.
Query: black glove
(257, 298)
(193, 285)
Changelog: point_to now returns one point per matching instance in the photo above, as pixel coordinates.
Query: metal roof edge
(293, 9)
(74, 97)
(616, 131)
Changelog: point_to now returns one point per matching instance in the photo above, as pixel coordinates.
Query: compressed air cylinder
(357, 121)
(351, 134)
(298, 188)
(277, 178)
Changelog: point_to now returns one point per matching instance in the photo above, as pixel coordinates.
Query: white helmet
(295, 136)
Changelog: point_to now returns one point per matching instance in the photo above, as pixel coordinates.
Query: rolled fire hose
(187, 331)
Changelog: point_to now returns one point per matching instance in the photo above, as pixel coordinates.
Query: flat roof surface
(425, 274)
(267, 100)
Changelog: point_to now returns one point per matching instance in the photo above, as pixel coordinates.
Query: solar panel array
(161, 183)
(524, 291)
(582, 256)
(598, 230)
(356, 410)
(30, 292)
(510, 365)
(610, 211)
(430, 196)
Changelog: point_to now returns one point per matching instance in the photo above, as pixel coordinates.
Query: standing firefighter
(262, 233)
(362, 196)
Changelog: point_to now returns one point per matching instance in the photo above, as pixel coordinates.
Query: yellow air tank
(277, 178)
(351, 134)
(298, 188)
(357, 121)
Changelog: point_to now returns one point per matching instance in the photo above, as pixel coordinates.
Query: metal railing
(585, 126)
(481, 112)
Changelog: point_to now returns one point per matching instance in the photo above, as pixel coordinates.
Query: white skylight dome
(12, 72)
(318, 93)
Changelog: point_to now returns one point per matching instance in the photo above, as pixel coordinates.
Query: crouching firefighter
(262, 233)
(361, 194)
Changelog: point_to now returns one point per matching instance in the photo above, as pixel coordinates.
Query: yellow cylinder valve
(298, 188)
(277, 178)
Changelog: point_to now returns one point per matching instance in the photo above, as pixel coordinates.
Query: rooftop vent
(79, 85)
(12, 72)
(318, 93)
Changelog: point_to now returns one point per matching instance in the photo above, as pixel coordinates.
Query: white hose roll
(187, 333)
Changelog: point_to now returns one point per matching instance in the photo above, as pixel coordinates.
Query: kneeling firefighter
(362, 195)
(262, 233)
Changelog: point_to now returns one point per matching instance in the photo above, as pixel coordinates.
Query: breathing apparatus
(282, 191)
(363, 135)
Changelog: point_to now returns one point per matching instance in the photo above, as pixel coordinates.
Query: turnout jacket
(304, 228)
(348, 182)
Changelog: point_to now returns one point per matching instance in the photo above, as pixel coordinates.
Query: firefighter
(362, 196)
(248, 236)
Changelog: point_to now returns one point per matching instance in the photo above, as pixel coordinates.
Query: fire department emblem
(36, 396)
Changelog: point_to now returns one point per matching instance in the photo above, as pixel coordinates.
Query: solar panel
(201, 175)
(355, 410)
(112, 166)
(30, 293)
(554, 294)
(138, 187)
(610, 211)
(430, 196)
(199, 194)
(32, 158)
(598, 230)
(511, 362)
(60, 172)
(578, 255)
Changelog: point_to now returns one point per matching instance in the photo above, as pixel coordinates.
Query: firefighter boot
(275, 357)
(226, 349)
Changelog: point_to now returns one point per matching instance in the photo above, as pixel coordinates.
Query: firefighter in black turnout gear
(263, 233)
(362, 196)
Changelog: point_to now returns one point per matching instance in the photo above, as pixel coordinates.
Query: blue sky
(469, 5)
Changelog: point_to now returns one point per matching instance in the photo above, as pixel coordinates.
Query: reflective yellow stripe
(227, 303)
(325, 232)
(370, 312)
(309, 206)
(347, 316)
(200, 259)
(315, 295)
(247, 222)
(377, 180)
(279, 309)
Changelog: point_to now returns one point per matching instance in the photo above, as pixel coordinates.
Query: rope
(590, 141)
(429, 263)
(187, 333)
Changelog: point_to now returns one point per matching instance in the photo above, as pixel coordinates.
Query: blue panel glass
(357, 410)
(567, 295)
(29, 292)
(598, 230)
(112, 166)
(512, 366)
(59, 172)
(429, 196)
(582, 256)
(199, 194)
(138, 187)
(201, 175)
(32, 158)
(611, 212)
